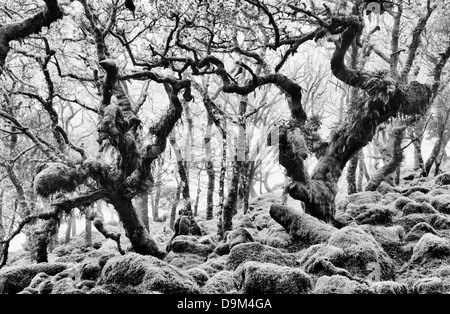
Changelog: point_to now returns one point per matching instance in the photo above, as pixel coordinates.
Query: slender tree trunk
(2, 227)
(441, 155)
(230, 207)
(69, 228)
(209, 171)
(173, 211)
(393, 160)
(88, 233)
(183, 177)
(437, 147)
(142, 208)
(417, 143)
(199, 190)
(74, 223)
(157, 190)
(351, 175)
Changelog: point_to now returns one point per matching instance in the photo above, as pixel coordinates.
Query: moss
(408, 222)
(189, 244)
(401, 202)
(385, 188)
(184, 260)
(385, 235)
(56, 177)
(443, 179)
(431, 285)
(16, 279)
(224, 282)
(323, 259)
(418, 208)
(439, 221)
(148, 274)
(266, 278)
(200, 275)
(338, 284)
(64, 285)
(430, 247)
(46, 287)
(258, 252)
(222, 249)
(419, 230)
(390, 198)
(99, 290)
(376, 215)
(239, 236)
(389, 287)
(214, 265)
(441, 203)
(90, 271)
(277, 237)
(362, 198)
(361, 250)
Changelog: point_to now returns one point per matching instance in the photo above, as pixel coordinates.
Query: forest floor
(395, 240)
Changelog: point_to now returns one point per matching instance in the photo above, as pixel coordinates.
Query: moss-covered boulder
(408, 222)
(239, 236)
(430, 247)
(439, 221)
(431, 285)
(376, 215)
(443, 179)
(402, 202)
(214, 265)
(385, 235)
(267, 278)
(419, 230)
(224, 282)
(389, 287)
(276, 236)
(361, 198)
(14, 280)
(64, 286)
(147, 273)
(390, 198)
(441, 203)
(361, 250)
(418, 208)
(338, 284)
(323, 259)
(259, 253)
(190, 244)
(200, 275)
(305, 229)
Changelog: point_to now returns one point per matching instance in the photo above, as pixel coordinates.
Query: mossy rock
(362, 198)
(430, 247)
(277, 237)
(200, 275)
(376, 215)
(385, 235)
(389, 287)
(224, 282)
(190, 244)
(15, 279)
(419, 230)
(409, 221)
(338, 284)
(259, 253)
(441, 203)
(432, 285)
(239, 236)
(418, 208)
(443, 179)
(362, 250)
(267, 278)
(147, 273)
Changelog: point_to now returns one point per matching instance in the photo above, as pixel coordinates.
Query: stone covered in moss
(267, 278)
(337, 284)
(147, 273)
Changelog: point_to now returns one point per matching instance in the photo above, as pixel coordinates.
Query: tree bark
(209, 171)
(393, 158)
(351, 175)
(230, 207)
(135, 230)
(2, 227)
(142, 208)
(69, 228)
(173, 211)
(88, 232)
